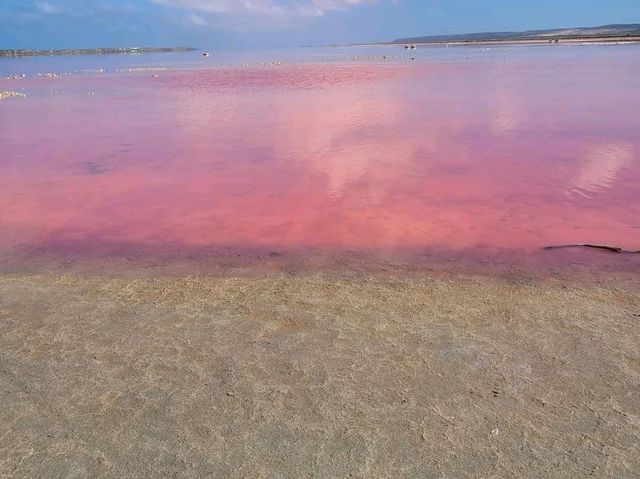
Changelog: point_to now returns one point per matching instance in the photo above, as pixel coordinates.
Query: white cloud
(270, 8)
(47, 8)
(196, 20)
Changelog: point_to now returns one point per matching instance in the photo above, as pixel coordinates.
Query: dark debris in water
(612, 249)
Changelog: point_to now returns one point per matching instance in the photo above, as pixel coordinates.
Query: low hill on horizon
(605, 31)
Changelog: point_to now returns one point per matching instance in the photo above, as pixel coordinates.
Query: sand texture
(318, 376)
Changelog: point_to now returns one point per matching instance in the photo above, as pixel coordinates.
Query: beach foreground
(318, 375)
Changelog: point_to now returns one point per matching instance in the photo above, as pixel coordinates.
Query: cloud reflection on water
(357, 157)
(600, 167)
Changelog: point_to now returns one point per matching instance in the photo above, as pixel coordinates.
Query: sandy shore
(318, 376)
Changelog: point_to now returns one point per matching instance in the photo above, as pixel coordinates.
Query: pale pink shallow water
(463, 158)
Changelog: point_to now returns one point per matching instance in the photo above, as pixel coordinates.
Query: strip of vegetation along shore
(93, 51)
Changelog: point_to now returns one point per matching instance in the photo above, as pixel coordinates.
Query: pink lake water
(470, 158)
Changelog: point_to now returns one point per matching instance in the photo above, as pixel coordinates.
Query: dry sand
(318, 376)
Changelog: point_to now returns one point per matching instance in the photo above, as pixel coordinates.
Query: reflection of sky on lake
(601, 166)
(506, 154)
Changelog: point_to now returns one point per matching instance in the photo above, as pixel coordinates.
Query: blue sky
(231, 24)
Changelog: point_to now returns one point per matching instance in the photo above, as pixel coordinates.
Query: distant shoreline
(93, 51)
(618, 33)
(523, 41)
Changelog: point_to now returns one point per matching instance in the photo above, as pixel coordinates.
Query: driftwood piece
(612, 249)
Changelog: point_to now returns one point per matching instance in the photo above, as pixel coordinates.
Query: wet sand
(318, 375)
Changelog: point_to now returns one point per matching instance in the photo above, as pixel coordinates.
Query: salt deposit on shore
(11, 94)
